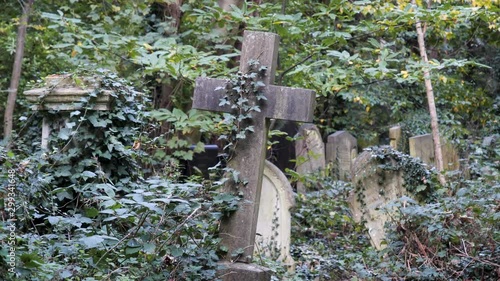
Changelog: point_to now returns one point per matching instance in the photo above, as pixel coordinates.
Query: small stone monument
(395, 135)
(423, 147)
(374, 188)
(63, 93)
(310, 152)
(341, 150)
(274, 221)
(238, 231)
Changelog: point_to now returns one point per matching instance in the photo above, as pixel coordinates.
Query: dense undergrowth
(453, 235)
(100, 206)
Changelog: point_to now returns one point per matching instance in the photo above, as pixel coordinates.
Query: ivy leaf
(149, 248)
(88, 174)
(54, 220)
(92, 241)
(64, 134)
(97, 123)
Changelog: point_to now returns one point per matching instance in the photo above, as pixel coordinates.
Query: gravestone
(310, 152)
(238, 231)
(202, 161)
(373, 189)
(274, 220)
(61, 93)
(423, 147)
(341, 150)
(395, 135)
(282, 151)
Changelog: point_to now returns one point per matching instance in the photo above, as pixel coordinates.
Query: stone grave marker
(274, 220)
(395, 135)
(61, 93)
(238, 231)
(373, 189)
(310, 152)
(423, 147)
(341, 150)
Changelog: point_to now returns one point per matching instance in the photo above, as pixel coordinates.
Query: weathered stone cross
(238, 231)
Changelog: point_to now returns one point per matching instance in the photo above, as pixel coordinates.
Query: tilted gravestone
(341, 150)
(62, 93)
(274, 221)
(310, 152)
(423, 147)
(238, 231)
(373, 189)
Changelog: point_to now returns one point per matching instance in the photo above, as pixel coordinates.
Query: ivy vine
(244, 95)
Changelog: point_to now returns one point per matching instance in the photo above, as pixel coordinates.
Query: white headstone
(310, 152)
(274, 220)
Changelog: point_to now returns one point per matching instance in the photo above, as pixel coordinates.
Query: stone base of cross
(238, 230)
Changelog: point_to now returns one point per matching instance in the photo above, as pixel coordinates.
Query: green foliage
(92, 211)
(452, 235)
(243, 97)
(85, 211)
(326, 242)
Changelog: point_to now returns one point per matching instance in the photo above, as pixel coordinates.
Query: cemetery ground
(144, 220)
(248, 140)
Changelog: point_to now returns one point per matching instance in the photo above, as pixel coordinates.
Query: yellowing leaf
(148, 47)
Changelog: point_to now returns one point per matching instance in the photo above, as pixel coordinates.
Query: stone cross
(238, 231)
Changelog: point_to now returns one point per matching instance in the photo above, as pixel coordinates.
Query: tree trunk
(16, 71)
(438, 155)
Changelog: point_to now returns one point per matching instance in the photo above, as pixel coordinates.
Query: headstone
(395, 134)
(373, 189)
(274, 221)
(310, 152)
(62, 93)
(423, 147)
(282, 150)
(341, 150)
(238, 231)
(203, 161)
(490, 141)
